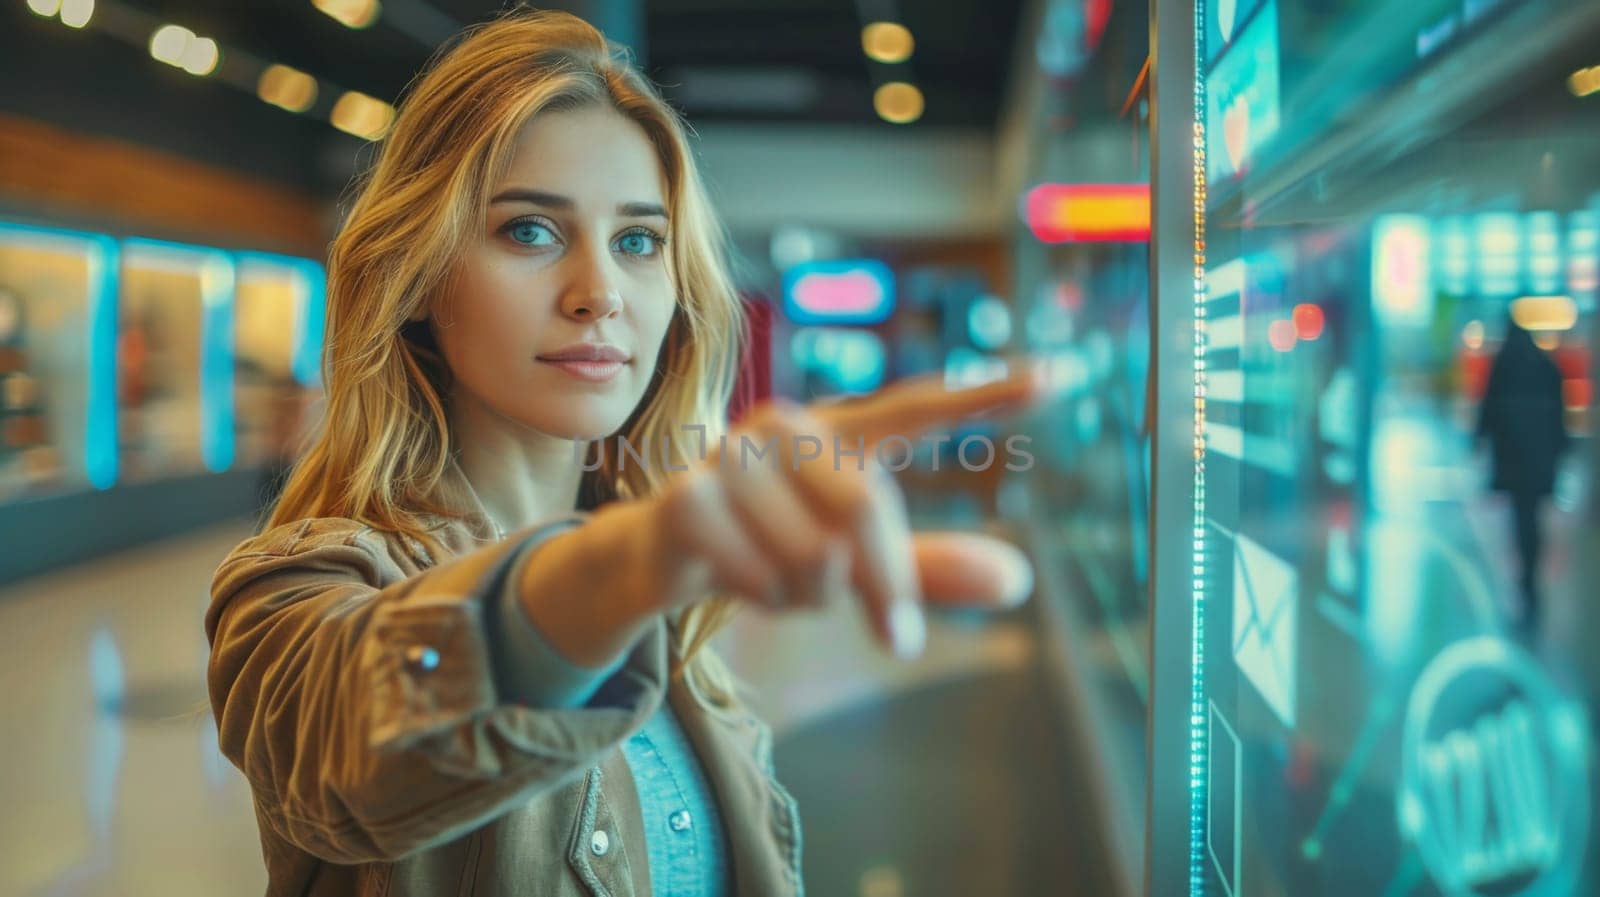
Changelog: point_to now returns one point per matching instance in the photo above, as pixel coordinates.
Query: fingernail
(907, 629)
(1016, 578)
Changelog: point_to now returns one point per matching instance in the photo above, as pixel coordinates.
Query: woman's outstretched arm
(808, 517)
(362, 706)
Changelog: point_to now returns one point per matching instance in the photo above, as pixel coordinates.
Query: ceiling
(718, 60)
(768, 84)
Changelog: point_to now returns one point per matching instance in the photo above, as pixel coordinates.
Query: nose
(592, 292)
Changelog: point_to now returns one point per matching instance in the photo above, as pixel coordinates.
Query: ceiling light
(363, 116)
(200, 56)
(350, 13)
(887, 41)
(178, 46)
(287, 88)
(168, 42)
(76, 13)
(1544, 313)
(46, 8)
(898, 102)
(1585, 81)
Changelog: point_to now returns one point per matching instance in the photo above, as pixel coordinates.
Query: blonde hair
(384, 443)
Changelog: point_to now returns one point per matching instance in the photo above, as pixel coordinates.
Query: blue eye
(531, 233)
(640, 243)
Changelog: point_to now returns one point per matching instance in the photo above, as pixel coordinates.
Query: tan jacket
(352, 684)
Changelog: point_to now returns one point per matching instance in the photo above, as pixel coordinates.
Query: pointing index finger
(908, 407)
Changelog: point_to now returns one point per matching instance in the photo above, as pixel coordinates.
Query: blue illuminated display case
(1373, 656)
(120, 355)
(141, 380)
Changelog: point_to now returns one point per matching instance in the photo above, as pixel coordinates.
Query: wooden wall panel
(54, 173)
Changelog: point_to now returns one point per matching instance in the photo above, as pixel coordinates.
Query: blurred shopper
(468, 652)
(1521, 418)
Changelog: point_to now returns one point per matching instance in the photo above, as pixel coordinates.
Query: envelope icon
(1265, 618)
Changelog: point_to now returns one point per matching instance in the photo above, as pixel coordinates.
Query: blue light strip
(217, 279)
(100, 426)
(1197, 708)
(218, 273)
(313, 321)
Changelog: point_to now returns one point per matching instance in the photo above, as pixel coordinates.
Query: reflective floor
(114, 785)
(112, 778)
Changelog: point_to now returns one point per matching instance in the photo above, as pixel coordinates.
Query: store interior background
(1383, 184)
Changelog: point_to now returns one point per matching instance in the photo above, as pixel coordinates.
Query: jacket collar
(454, 491)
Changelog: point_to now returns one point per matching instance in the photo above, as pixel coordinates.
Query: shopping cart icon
(1265, 618)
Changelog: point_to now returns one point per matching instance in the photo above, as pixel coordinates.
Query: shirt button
(600, 843)
(423, 657)
(680, 820)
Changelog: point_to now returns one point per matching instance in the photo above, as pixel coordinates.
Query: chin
(585, 419)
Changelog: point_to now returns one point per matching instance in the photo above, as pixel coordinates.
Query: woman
(464, 656)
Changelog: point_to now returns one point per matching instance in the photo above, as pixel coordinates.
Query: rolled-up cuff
(432, 663)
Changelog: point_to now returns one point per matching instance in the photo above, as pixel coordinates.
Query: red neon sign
(1089, 213)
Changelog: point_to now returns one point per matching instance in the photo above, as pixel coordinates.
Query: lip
(590, 371)
(589, 362)
(587, 352)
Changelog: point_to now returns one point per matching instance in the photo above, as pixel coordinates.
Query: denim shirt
(683, 830)
(684, 834)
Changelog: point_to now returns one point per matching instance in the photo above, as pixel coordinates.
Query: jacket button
(680, 820)
(424, 658)
(600, 843)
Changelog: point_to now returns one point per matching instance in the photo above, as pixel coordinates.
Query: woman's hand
(778, 517)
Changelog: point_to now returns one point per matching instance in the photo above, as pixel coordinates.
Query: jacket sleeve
(527, 667)
(362, 706)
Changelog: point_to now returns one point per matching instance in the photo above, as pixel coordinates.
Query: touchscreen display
(1395, 524)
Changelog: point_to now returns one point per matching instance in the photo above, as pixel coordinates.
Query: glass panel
(174, 355)
(1082, 224)
(1090, 317)
(1398, 313)
(54, 433)
(275, 354)
(1088, 503)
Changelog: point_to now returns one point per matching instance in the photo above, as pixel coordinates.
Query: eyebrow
(564, 203)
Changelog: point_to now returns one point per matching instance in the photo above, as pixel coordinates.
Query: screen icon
(1224, 781)
(1242, 94)
(1493, 788)
(1265, 616)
